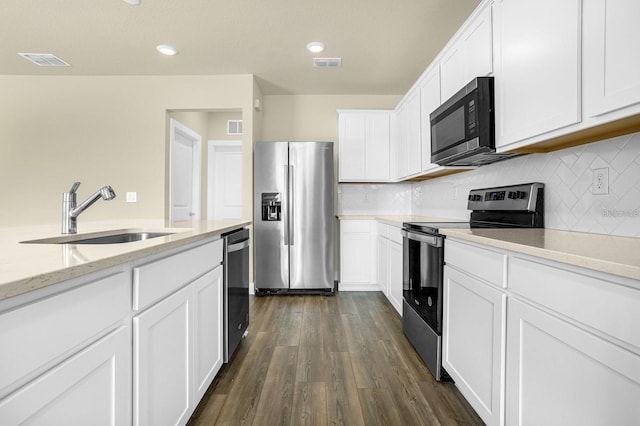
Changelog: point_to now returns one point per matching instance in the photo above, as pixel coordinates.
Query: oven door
(423, 257)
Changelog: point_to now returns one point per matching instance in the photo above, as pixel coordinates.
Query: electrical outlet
(600, 181)
(132, 197)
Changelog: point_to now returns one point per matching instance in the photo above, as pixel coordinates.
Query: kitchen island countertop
(28, 267)
(605, 253)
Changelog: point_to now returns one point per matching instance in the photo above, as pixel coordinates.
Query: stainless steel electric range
(514, 206)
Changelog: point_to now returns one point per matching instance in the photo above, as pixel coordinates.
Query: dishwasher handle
(432, 240)
(237, 246)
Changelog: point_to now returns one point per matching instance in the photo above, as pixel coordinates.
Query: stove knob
(512, 195)
(522, 194)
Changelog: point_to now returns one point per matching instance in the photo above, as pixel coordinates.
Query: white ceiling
(384, 45)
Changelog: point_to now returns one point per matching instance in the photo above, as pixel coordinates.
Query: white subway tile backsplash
(567, 175)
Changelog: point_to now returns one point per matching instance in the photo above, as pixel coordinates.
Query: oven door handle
(431, 240)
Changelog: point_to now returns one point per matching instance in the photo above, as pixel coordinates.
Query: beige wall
(217, 129)
(313, 117)
(101, 131)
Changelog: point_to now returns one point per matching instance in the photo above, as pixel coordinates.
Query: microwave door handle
(431, 240)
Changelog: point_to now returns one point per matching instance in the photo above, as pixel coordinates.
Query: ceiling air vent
(234, 127)
(45, 59)
(327, 62)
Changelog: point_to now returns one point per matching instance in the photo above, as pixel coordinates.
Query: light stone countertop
(605, 253)
(29, 267)
(398, 220)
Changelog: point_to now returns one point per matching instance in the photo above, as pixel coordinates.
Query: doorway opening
(224, 180)
(184, 170)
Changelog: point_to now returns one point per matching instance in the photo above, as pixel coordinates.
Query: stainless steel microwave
(463, 127)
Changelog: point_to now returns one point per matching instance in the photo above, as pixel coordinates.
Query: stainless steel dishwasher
(236, 289)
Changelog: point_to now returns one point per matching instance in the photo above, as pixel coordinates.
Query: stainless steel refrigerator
(293, 217)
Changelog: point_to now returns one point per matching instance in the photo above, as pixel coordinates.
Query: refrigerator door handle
(286, 210)
(291, 206)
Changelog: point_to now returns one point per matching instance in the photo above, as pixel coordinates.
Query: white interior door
(184, 192)
(224, 180)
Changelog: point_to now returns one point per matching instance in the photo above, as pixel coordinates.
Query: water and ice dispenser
(271, 206)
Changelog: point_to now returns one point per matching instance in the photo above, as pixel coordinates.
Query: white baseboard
(358, 287)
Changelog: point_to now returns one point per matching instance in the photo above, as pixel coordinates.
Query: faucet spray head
(107, 193)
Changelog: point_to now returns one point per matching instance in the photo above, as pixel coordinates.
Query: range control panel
(521, 197)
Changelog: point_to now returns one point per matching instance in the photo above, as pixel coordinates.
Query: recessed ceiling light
(315, 47)
(133, 2)
(165, 49)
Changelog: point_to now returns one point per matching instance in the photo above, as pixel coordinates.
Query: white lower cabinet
(389, 263)
(92, 387)
(567, 352)
(395, 274)
(162, 362)
(103, 350)
(558, 373)
(383, 264)
(208, 329)
(473, 348)
(177, 352)
(357, 255)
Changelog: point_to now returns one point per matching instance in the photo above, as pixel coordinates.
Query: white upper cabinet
(399, 142)
(611, 57)
(470, 56)
(537, 67)
(413, 134)
(429, 100)
(364, 138)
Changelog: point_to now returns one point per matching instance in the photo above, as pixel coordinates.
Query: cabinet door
(611, 58)
(383, 265)
(351, 146)
(560, 374)
(474, 342)
(478, 46)
(377, 132)
(208, 331)
(413, 139)
(537, 67)
(395, 276)
(429, 101)
(470, 56)
(162, 362)
(401, 141)
(91, 388)
(453, 76)
(357, 255)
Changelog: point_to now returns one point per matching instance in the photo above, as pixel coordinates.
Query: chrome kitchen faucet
(70, 211)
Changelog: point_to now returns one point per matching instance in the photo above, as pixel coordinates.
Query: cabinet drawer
(603, 304)
(355, 225)
(155, 280)
(486, 264)
(36, 335)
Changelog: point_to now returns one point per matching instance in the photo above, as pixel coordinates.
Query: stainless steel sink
(114, 238)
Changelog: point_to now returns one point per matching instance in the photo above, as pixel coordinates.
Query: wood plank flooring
(322, 360)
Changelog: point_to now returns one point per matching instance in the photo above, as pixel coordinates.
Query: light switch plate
(132, 197)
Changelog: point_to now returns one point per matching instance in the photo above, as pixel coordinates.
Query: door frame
(178, 129)
(212, 152)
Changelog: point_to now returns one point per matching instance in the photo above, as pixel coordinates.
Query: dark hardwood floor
(322, 360)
